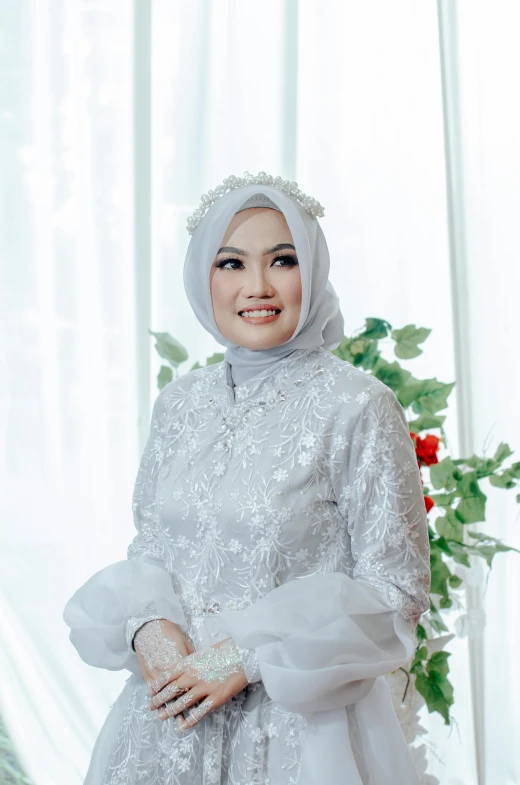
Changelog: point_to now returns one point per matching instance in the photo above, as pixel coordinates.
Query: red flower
(427, 449)
(428, 503)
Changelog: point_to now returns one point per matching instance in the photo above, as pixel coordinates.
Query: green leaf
(359, 346)
(421, 633)
(459, 552)
(440, 574)
(503, 451)
(488, 546)
(426, 422)
(443, 499)
(407, 339)
(504, 480)
(474, 462)
(369, 359)
(164, 376)
(433, 691)
(376, 328)
(442, 545)
(343, 350)
(454, 581)
(433, 397)
(169, 348)
(472, 507)
(435, 619)
(420, 655)
(518, 498)
(438, 663)
(442, 474)
(449, 527)
(390, 374)
(411, 391)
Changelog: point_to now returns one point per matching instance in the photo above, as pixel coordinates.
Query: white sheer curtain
(102, 165)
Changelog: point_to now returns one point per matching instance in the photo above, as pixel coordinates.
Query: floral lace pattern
(307, 470)
(250, 664)
(134, 623)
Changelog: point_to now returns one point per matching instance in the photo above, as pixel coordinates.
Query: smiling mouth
(260, 312)
(261, 316)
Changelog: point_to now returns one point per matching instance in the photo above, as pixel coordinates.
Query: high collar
(278, 375)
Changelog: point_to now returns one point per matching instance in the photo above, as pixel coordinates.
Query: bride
(281, 561)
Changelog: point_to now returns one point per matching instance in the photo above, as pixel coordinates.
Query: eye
(291, 261)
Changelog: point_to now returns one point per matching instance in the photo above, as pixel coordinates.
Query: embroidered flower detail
(308, 440)
(363, 397)
(339, 442)
(271, 731)
(235, 546)
(280, 474)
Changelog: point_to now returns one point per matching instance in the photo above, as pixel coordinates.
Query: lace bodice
(303, 472)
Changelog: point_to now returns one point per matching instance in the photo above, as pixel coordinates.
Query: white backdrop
(115, 117)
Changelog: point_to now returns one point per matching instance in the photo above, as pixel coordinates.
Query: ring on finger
(167, 693)
(175, 706)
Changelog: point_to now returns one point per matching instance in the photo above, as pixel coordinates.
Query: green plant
(456, 491)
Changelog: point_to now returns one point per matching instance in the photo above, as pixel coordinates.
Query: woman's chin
(260, 343)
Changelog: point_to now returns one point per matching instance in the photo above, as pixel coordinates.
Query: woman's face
(256, 266)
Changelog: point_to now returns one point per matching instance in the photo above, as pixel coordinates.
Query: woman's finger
(196, 714)
(172, 690)
(166, 677)
(174, 707)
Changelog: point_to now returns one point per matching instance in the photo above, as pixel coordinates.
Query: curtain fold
(345, 98)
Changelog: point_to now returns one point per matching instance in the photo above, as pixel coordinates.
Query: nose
(257, 283)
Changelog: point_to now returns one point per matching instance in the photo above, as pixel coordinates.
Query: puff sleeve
(104, 613)
(322, 640)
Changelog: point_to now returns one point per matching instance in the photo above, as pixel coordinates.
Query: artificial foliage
(454, 486)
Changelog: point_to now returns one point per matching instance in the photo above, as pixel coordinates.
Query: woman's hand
(212, 675)
(160, 646)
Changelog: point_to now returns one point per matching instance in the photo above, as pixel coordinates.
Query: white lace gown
(288, 513)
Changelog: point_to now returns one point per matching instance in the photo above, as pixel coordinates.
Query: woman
(281, 561)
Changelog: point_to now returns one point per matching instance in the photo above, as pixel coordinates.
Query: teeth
(257, 314)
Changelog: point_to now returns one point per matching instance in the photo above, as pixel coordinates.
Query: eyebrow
(266, 252)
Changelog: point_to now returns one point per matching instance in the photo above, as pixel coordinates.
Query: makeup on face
(256, 279)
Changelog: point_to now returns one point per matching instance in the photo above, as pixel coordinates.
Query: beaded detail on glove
(313, 207)
(216, 663)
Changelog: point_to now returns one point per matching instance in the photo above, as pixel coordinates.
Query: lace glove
(134, 623)
(250, 664)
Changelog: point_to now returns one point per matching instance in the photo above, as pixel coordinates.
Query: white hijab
(321, 320)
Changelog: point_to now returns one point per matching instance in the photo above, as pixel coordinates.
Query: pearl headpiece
(312, 206)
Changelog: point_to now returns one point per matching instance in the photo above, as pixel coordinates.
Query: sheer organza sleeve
(105, 613)
(322, 640)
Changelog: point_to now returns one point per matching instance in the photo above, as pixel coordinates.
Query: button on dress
(287, 513)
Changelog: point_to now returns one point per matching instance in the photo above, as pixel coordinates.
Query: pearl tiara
(312, 206)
